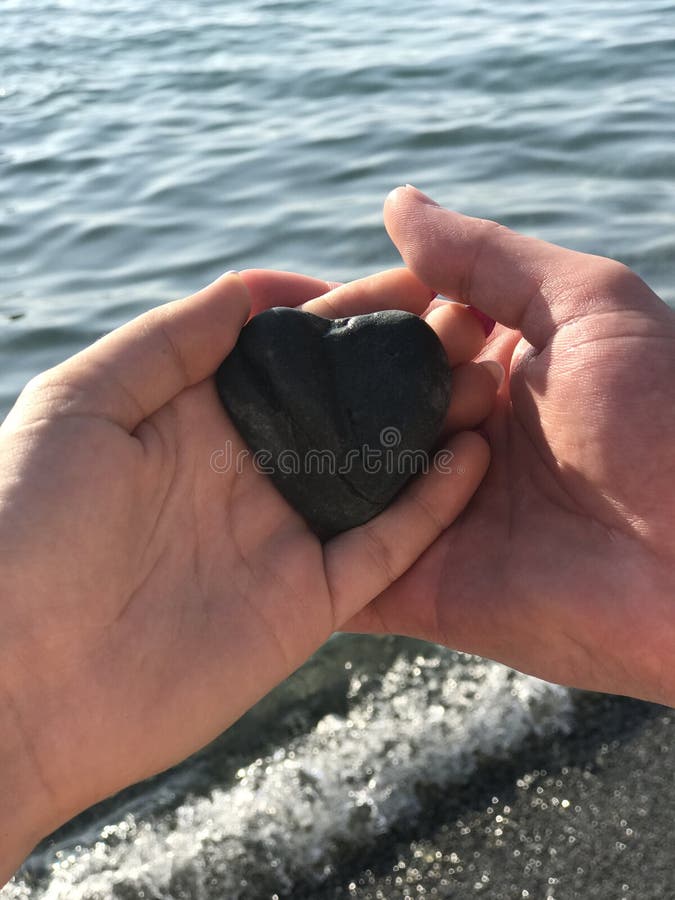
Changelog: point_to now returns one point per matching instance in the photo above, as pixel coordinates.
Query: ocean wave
(288, 817)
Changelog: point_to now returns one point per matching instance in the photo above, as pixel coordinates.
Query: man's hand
(147, 597)
(563, 566)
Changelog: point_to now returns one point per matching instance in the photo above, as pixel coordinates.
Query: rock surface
(340, 413)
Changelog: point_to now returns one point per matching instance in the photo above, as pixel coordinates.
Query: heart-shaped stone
(340, 413)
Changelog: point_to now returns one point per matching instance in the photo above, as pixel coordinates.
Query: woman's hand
(563, 566)
(148, 598)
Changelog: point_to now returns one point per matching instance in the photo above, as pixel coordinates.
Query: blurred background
(147, 147)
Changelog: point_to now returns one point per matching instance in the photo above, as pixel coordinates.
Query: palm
(217, 585)
(249, 564)
(186, 598)
(560, 523)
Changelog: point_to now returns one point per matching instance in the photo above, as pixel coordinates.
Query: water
(145, 148)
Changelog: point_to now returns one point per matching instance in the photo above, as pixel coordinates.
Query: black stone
(321, 401)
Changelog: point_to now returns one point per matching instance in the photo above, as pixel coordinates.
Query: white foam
(351, 778)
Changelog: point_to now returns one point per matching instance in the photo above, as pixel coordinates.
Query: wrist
(26, 811)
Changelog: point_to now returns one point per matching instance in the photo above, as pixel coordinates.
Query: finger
(459, 329)
(363, 562)
(460, 332)
(392, 289)
(136, 369)
(474, 388)
(268, 288)
(521, 282)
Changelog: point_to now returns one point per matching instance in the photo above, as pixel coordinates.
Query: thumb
(520, 281)
(133, 371)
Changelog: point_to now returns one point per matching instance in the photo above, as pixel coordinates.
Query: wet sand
(587, 815)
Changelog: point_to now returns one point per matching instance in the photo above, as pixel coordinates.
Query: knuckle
(40, 383)
(488, 228)
(42, 389)
(482, 240)
(380, 553)
(161, 323)
(436, 523)
(614, 277)
(50, 392)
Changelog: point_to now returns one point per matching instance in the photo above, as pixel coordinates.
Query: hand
(563, 566)
(148, 599)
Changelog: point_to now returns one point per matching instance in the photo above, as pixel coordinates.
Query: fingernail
(487, 323)
(418, 195)
(234, 282)
(224, 275)
(220, 278)
(496, 369)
